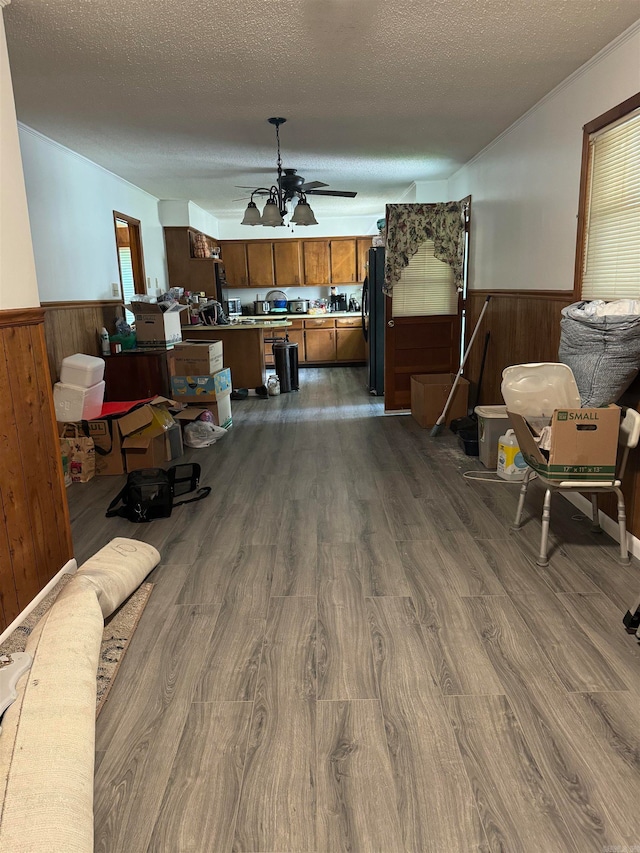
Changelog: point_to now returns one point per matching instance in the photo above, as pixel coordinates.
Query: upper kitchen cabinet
(315, 255)
(185, 270)
(287, 261)
(343, 261)
(260, 264)
(363, 244)
(234, 257)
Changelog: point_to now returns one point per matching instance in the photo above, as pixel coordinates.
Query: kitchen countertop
(272, 324)
(328, 316)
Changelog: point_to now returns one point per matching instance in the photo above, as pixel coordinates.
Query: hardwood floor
(347, 649)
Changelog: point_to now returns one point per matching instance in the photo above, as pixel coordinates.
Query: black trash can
(286, 361)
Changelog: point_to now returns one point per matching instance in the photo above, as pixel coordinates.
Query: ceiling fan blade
(255, 190)
(342, 193)
(313, 185)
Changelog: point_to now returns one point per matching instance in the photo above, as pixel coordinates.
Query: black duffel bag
(150, 492)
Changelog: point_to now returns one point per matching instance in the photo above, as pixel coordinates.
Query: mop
(438, 424)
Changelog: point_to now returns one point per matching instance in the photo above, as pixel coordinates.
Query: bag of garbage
(202, 434)
(602, 350)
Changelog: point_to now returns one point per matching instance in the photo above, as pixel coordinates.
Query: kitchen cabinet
(234, 257)
(342, 256)
(296, 336)
(320, 345)
(260, 264)
(196, 274)
(287, 262)
(363, 244)
(350, 344)
(315, 254)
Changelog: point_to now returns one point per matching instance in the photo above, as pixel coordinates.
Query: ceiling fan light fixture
(271, 214)
(303, 215)
(251, 215)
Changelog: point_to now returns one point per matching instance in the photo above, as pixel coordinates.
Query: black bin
(285, 356)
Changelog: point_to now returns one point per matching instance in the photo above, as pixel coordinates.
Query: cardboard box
(221, 411)
(584, 444)
(202, 389)
(155, 327)
(105, 433)
(197, 358)
(150, 436)
(429, 393)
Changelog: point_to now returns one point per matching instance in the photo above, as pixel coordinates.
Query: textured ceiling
(174, 96)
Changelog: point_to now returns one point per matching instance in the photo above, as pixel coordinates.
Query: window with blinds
(426, 286)
(126, 275)
(611, 239)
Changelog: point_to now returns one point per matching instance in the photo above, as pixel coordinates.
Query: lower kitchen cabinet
(320, 345)
(350, 345)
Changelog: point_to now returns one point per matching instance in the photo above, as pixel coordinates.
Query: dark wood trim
(21, 317)
(615, 113)
(550, 295)
(88, 303)
(137, 255)
(611, 116)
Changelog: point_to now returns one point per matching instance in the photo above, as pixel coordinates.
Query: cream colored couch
(47, 742)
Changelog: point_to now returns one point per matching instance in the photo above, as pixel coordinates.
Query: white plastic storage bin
(81, 370)
(493, 422)
(73, 403)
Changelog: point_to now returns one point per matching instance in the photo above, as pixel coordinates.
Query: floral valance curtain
(409, 225)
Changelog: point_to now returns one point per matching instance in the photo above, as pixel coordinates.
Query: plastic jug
(511, 464)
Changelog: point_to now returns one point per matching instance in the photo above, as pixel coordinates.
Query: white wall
(18, 286)
(181, 212)
(346, 226)
(525, 184)
(71, 204)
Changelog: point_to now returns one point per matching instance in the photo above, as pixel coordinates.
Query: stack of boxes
(80, 392)
(199, 380)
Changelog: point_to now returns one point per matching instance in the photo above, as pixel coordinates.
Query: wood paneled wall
(71, 327)
(523, 326)
(35, 534)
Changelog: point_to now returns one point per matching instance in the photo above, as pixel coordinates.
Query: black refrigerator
(373, 306)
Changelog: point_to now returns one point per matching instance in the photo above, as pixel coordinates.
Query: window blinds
(128, 286)
(611, 267)
(426, 286)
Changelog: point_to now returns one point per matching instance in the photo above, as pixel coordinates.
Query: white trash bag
(202, 434)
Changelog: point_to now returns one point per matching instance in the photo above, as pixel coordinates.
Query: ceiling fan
(289, 185)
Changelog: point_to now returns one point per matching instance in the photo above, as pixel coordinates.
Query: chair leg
(622, 526)
(543, 559)
(595, 515)
(517, 524)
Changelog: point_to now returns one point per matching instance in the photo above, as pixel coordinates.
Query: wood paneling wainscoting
(35, 534)
(524, 326)
(71, 327)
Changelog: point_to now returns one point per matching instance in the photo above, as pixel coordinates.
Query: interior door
(424, 342)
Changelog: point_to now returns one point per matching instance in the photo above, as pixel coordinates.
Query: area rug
(118, 631)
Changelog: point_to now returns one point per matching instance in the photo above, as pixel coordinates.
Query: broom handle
(463, 362)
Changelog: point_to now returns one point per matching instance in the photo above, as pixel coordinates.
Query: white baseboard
(609, 525)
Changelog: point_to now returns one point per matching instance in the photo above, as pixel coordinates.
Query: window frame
(611, 116)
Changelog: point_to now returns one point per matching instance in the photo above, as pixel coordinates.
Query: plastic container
(493, 422)
(468, 439)
(539, 389)
(82, 370)
(511, 465)
(73, 403)
(104, 341)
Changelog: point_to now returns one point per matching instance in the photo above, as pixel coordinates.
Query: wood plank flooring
(348, 649)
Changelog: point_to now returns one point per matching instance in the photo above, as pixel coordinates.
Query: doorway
(130, 258)
(424, 319)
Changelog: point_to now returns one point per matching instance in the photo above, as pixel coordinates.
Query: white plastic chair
(628, 437)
